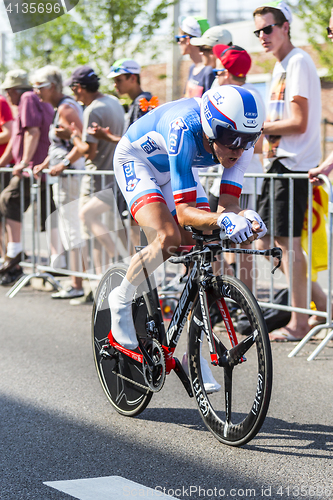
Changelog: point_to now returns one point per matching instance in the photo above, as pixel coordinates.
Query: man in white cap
(200, 77)
(292, 130)
(213, 36)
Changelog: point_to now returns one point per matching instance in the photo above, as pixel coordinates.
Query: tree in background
(97, 33)
(316, 15)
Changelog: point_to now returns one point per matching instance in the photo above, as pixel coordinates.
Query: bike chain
(130, 380)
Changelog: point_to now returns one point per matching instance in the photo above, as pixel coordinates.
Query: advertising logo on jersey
(176, 134)
(130, 177)
(149, 146)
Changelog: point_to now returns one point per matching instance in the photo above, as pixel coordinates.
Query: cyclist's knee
(169, 241)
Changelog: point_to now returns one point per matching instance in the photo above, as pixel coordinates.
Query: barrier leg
(307, 337)
(321, 346)
(24, 280)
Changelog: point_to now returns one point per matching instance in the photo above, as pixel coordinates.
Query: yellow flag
(319, 233)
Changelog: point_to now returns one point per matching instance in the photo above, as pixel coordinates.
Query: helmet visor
(232, 139)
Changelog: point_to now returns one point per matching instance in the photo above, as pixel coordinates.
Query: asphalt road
(56, 423)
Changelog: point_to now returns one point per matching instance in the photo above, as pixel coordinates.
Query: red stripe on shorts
(145, 200)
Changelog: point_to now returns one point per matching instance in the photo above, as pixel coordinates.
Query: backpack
(275, 318)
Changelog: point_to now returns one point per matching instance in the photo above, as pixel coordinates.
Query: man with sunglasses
(156, 166)
(200, 76)
(291, 144)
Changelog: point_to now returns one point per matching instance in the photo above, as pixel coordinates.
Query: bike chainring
(154, 377)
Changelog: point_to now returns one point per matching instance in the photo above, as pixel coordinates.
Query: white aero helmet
(231, 116)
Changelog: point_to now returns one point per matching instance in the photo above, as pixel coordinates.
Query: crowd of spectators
(43, 128)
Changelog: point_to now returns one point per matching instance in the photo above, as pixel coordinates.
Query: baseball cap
(83, 75)
(235, 59)
(16, 78)
(193, 25)
(282, 6)
(124, 66)
(212, 37)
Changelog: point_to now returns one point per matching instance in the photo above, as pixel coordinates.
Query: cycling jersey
(158, 159)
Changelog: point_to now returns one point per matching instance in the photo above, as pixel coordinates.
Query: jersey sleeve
(182, 150)
(232, 178)
(5, 112)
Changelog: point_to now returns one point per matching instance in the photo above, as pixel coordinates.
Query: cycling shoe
(122, 326)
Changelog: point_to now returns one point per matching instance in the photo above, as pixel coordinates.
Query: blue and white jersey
(170, 139)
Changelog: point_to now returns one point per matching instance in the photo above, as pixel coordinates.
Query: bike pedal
(180, 372)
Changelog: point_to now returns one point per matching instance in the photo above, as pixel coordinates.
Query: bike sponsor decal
(101, 297)
(205, 321)
(149, 146)
(200, 397)
(130, 177)
(176, 135)
(180, 313)
(257, 399)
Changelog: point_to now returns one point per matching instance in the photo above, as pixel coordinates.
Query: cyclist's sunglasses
(329, 31)
(178, 38)
(232, 139)
(267, 30)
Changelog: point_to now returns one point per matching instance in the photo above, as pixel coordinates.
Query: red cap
(235, 59)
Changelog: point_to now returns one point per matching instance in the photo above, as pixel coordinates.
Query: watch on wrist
(66, 162)
(24, 163)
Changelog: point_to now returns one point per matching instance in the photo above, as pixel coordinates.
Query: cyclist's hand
(260, 228)
(234, 227)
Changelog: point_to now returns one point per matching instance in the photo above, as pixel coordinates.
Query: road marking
(105, 488)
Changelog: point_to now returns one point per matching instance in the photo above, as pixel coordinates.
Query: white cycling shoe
(122, 326)
(209, 381)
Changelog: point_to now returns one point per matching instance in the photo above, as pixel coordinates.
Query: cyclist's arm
(189, 215)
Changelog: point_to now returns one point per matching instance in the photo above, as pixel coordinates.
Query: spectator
(326, 166)
(126, 75)
(6, 122)
(28, 146)
(216, 35)
(63, 155)
(200, 76)
(107, 112)
(292, 144)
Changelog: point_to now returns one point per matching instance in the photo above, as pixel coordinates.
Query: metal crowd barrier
(40, 269)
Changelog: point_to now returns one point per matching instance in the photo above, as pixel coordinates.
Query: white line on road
(105, 488)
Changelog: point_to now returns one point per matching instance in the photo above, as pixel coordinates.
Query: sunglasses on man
(267, 30)
(178, 38)
(329, 31)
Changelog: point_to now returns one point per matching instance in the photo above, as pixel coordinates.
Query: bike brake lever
(276, 252)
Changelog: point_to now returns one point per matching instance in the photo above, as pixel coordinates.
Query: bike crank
(153, 365)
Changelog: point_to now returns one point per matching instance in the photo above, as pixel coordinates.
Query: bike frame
(199, 280)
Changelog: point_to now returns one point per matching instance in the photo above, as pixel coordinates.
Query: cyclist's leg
(139, 185)
(211, 385)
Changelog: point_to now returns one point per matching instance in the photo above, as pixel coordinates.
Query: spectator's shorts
(144, 184)
(66, 194)
(10, 200)
(281, 202)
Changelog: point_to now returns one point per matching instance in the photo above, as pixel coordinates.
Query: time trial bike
(210, 305)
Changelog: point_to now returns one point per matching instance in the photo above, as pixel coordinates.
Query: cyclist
(156, 166)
